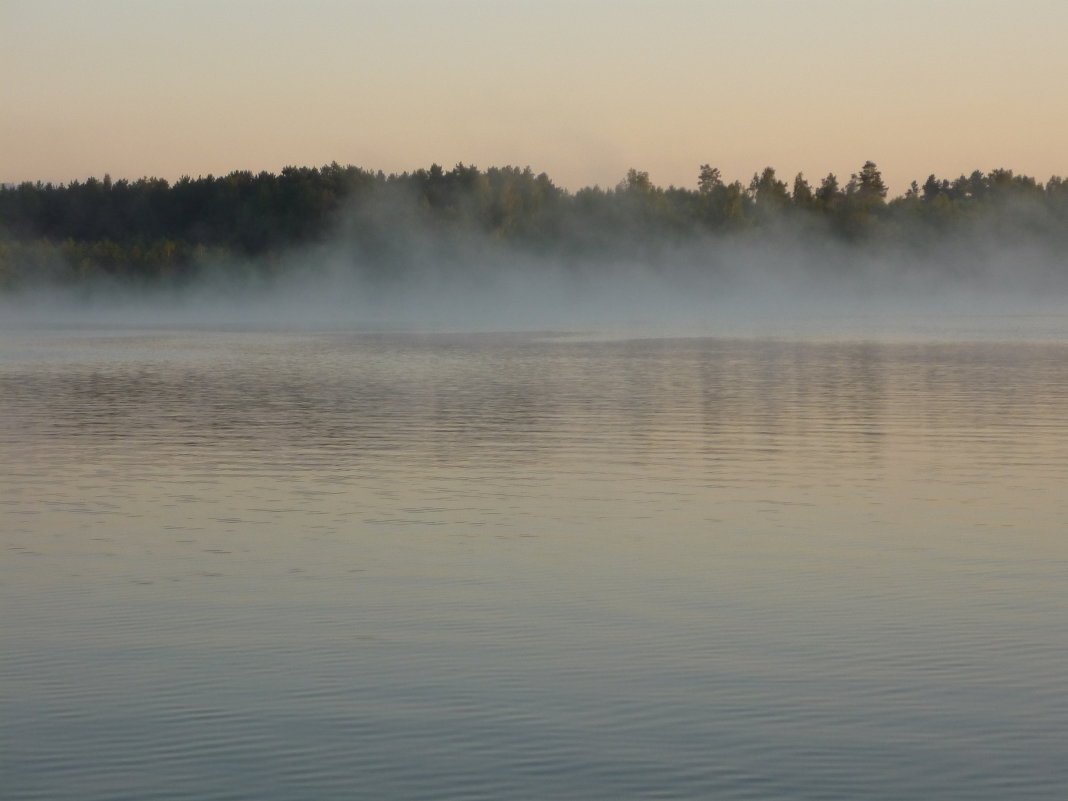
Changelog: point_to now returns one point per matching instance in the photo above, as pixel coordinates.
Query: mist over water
(505, 249)
(790, 285)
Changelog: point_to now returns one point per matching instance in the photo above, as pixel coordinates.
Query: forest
(151, 232)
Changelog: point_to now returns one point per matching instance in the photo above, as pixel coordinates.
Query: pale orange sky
(580, 90)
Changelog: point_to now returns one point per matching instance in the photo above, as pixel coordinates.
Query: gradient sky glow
(582, 89)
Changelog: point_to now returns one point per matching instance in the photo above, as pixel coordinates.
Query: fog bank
(793, 283)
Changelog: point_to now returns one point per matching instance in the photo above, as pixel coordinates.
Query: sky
(580, 89)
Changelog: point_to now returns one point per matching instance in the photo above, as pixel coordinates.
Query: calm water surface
(337, 566)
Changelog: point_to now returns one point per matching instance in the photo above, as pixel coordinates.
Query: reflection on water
(336, 566)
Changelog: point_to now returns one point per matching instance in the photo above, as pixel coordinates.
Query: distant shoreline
(382, 227)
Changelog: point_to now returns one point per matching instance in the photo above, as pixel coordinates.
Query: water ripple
(238, 566)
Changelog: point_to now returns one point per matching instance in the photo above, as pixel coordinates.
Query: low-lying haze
(732, 288)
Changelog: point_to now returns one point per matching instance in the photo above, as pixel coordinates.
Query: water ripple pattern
(399, 566)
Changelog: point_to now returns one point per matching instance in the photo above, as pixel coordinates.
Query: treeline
(150, 230)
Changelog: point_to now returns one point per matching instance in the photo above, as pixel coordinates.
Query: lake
(336, 565)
